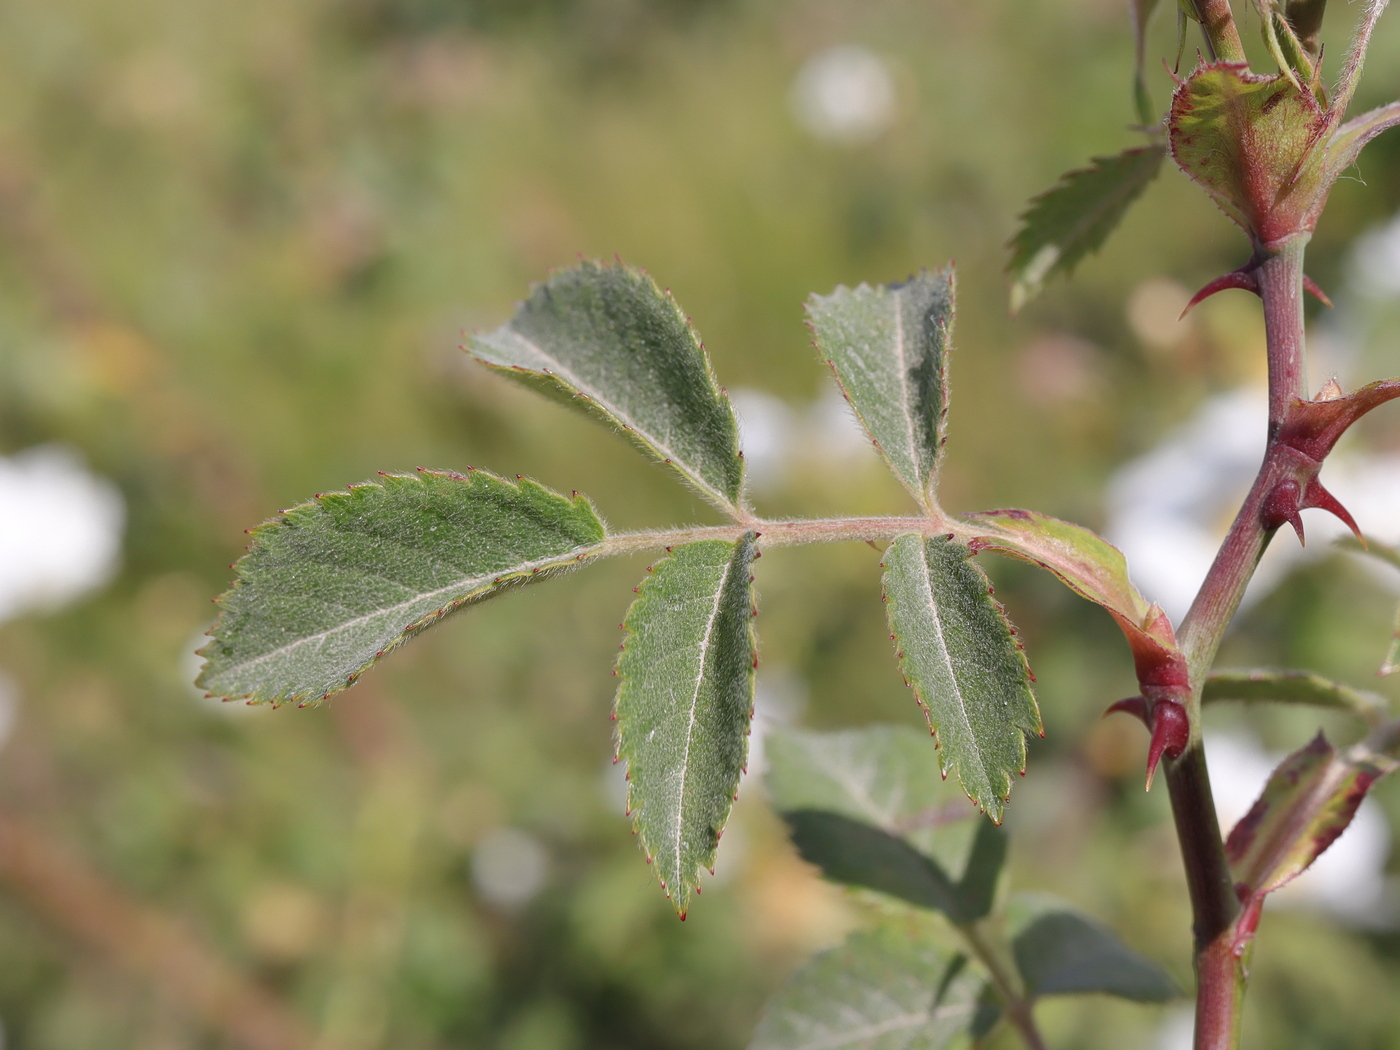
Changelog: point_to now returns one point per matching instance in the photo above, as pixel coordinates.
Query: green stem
(1218, 26)
(1008, 986)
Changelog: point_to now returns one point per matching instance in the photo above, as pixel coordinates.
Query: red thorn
(1309, 285)
(1282, 505)
(1170, 732)
(1242, 278)
(1318, 497)
(1133, 705)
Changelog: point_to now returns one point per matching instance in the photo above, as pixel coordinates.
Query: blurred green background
(238, 245)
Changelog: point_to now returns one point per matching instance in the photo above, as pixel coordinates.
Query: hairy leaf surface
(888, 348)
(684, 703)
(870, 808)
(962, 659)
(1061, 952)
(890, 988)
(1251, 142)
(607, 339)
(328, 587)
(1075, 216)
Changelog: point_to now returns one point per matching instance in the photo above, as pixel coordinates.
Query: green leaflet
(1293, 687)
(1351, 138)
(889, 988)
(1075, 216)
(964, 663)
(1061, 952)
(607, 339)
(329, 587)
(888, 348)
(870, 809)
(684, 703)
(1251, 142)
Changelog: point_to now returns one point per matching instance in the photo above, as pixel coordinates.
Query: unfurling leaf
(1293, 687)
(870, 809)
(607, 339)
(1061, 952)
(890, 988)
(684, 703)
(1075, 216)
(962, 659)
(1309, 800)
(888, 347)
(1253, 144)
(329, 587)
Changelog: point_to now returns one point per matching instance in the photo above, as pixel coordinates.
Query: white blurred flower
(777, 438)
(844, 94)
(509, 867)
(766, 429)
(60, 529)
(1375, 261)
(1348, 880)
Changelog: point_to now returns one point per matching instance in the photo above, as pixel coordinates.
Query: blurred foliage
(237, 245)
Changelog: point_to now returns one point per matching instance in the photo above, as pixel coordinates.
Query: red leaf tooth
(1318, 497)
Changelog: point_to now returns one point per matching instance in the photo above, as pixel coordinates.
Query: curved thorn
(1310, 286)
(1132, 705)
(1318, 497)
(1242, 278)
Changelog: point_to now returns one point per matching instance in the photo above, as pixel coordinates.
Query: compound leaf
(684, 703)
(962, 659)
(889, 988)
(1061, 952)
(888, 348)
(607, 339)
(1075, 216)
(329, 587)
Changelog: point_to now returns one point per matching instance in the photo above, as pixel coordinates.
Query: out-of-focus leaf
(1062, 952)
(1293, 687)
(1075, 216)
(684, 702)
(870, 808)
(888, 347)
(329, 587)
(1141, 11)
(1251, 142)
(962, 659)
(859, 854)
(1309, 800)
(1391, 556)
(890, 988)
(607, 339)
(1305, 16)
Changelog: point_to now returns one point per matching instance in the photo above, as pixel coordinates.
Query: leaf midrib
(911, 436)
(627, 421)
(468, 582)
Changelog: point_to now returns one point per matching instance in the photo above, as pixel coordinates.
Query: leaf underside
(1075, 216)
(962, 659)
(608, 340)
(1061, 952)
(1309, 800)
(888, 348)
(329, 587)
(684, 703)
(1292, 687)
(889, 988)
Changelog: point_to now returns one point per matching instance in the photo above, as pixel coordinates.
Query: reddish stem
(1218, 25)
